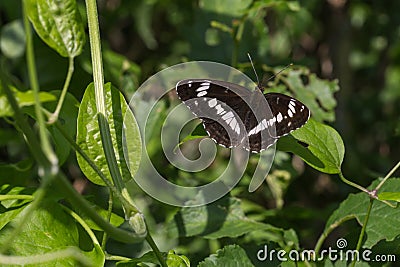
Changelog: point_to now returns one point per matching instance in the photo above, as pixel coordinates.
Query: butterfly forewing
(234, 116)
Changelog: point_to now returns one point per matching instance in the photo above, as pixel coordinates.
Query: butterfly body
(235, 116)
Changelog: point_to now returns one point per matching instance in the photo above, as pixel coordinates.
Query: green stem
(156, 250)
(108, 148)
(98, 79)
(76, 199)
(13, 197)
(50, 258)
(30, 58)
(361, 237)
(387, 176)
(54, 116)
(325, 234)
(82, 223)
(109, 212)
(359, 187)
(86, 158)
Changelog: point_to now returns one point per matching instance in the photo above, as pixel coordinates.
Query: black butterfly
(235, 116)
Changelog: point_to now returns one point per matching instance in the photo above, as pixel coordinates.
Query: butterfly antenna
(273, 76)
(254, 69)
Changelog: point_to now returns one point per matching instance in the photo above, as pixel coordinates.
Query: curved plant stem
(98, 80)
(54, 117)
(109, 212)
(44, 139)
(361, 237)
(359, 187)
(156, 250)
(387, 176)
(325, 234)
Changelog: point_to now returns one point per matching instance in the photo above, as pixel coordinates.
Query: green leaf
(59, 24)
(12, 207)
(232, 255)
(174, 260)
(89, 139)
(23, 99)
(48, 229)
(325, 148)
(383, 221)
(233, 8)
(222, 218)
(395, 196)
(12, 39)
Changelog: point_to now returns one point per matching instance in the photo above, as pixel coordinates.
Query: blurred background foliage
(356, 42)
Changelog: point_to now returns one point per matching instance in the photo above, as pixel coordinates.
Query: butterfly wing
(220, 105)
(234, 116)
(289, 113)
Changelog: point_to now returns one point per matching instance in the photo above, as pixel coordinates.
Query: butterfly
(234, 116)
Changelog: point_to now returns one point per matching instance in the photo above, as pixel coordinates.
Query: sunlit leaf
(322, 147)
(89, 139)
(232, 255)
(59, 24)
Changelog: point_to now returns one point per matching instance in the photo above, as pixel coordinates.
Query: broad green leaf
(59, 24)
(233, 8)
(23, 99)
(325, 148)
(395, 196)
(12, 39)
(12, 206)
(48, 229)
(89, 139)
(383, 221)
(222, 218)
(174, 260)
(232, 255)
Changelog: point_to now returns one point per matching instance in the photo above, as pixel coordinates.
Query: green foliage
(24, 99)
(59, 24)
(89, 139)
(383, 219)
(228, 256)
(45, 222)
(323, 150)
(49, 225)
